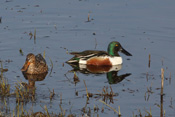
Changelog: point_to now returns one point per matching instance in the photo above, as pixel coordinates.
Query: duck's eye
(27, 59)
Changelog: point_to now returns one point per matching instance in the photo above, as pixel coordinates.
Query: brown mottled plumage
(34, 64)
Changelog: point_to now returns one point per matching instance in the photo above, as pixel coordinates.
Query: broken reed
(88, 18)
(35, 36)
(149, 63)
(161, 93)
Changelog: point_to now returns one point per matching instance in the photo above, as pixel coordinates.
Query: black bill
(125, 52)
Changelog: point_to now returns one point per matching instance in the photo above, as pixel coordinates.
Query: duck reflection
(32, 78)
(111, 71)
(113, 77)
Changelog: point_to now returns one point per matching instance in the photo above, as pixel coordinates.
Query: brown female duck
(34, 64)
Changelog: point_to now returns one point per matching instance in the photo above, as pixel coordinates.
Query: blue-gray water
(143, 27)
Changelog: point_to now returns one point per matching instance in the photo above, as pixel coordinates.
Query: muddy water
(142, 27)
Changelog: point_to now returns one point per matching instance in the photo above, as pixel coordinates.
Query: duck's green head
(114, 47)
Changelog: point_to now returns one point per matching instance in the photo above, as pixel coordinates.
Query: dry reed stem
(88, 18)
(162, 80)
(149, 63)
(86, 89)
(45, 108)
(110, 107)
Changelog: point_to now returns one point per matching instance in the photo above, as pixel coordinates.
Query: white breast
(116, 60)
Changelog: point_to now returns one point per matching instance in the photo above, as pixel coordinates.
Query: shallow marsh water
(142, 27)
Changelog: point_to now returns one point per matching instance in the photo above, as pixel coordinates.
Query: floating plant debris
(0, 20)
(88, 19)
(31, 35)
(35, 36)
(21, 52)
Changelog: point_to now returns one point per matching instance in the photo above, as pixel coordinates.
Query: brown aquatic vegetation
(4, 86)
(24, 93)
(105, 94)
(31, 35)
(52, 94)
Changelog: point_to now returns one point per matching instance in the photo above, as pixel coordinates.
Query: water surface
(142, 27)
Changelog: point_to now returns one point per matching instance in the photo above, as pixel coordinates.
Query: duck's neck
(112, 52)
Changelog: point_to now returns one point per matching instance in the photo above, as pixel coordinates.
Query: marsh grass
(105, 94)
(52, 94)
(148, 92)
(141, 114)
(24, 93)
(4, 85)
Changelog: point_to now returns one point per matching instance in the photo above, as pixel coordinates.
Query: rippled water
(142, 27)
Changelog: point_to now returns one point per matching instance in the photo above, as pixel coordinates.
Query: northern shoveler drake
(34, 64)
(100, 58)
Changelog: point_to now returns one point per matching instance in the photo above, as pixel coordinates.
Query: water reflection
(113, 77)
(32, 78)
(111, 71)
